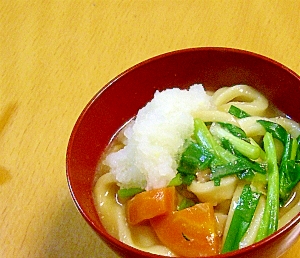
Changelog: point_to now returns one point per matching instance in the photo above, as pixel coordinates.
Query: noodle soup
(206, 154)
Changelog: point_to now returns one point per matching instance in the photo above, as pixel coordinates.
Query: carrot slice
(149, 204)
(190, 232)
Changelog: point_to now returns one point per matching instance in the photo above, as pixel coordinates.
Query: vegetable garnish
(289, 169)
(129, 192)
(241, 219)
(298, 150)
(235, 130)
(244, 147)
(252, 165)
(194, 158)
(149, 204)
(275, 129)
(238, 166)
(177, 180)
(220, 151)
(185, 203)
(269, 222)
(235, 111)
(204, 138)
(190, 232)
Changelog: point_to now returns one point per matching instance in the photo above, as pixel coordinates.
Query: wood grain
(55, 55)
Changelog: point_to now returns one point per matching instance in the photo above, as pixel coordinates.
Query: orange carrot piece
(149, 204)
(190, 232)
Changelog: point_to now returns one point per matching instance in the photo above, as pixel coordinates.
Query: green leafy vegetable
(240, 165)
(185, 203)
(247, 149)
(177, 180)
(275, 129)
(235, 111)
(241, 219)
(298, 150)
(234, 157)
(262, 155)
(204, 138)
(289, 171)
(269, 222)
(194, 158)
(235, 130)
(129, 192)
(259, 183)
(248, 163)
(247, 175)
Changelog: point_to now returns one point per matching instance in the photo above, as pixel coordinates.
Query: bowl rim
(215, 48)
(104, 235)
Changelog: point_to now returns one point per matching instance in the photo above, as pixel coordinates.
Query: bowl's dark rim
(220, 49)
(110, 239)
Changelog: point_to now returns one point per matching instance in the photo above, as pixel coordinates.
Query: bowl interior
(120, 100)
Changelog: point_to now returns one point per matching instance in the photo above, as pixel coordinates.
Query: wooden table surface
(55, 55)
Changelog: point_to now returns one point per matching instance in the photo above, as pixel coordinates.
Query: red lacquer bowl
(120, 99)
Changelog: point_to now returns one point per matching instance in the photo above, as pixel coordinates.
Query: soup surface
(199, 173)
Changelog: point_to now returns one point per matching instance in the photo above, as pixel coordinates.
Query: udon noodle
(112, 209)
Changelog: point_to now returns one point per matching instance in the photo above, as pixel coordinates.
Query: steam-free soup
(199, 173)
